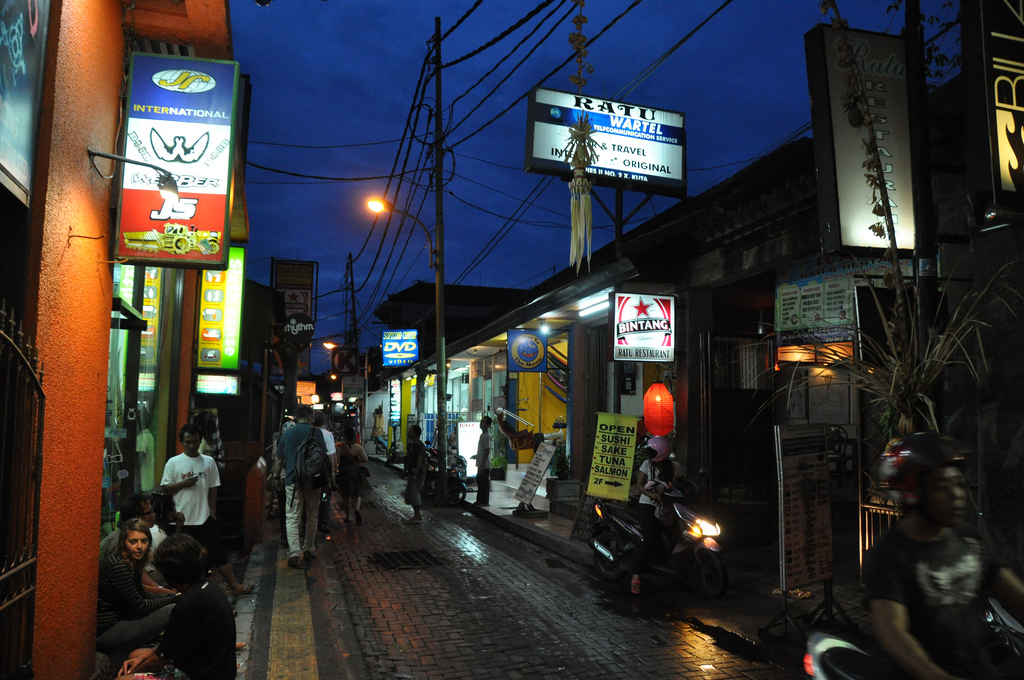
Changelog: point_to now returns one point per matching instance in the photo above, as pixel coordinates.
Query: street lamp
(379, 205)
(165, 180)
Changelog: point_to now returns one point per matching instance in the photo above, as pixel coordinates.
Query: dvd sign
(644, 327)
(298, 328)
(400, 348)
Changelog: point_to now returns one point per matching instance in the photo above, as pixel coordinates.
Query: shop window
(742, 363)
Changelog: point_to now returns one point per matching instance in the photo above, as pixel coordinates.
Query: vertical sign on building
(220, 314)
(297, 280)
(844, 199)
(181, 115)
(993, 49)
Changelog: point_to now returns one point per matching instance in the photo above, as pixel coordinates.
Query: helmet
(657, 448)
(905, 458)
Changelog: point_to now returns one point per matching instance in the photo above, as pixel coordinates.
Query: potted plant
(559, 487)
(499, 466)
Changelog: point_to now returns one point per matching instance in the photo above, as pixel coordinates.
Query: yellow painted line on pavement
(292, 654)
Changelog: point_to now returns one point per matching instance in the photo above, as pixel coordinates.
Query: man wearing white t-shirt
(193, 478)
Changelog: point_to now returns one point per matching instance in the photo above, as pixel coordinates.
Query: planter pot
(498, 474)
(563, 490)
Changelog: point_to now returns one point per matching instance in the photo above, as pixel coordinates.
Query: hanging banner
(181, 117)
(611, 469)
(644, 327)
(527, 352)
(22, 58)
(844, 199)
(220, 314)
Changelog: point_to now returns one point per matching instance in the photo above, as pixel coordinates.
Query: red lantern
(659, 413)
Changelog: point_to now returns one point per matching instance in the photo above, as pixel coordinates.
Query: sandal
(634, 586)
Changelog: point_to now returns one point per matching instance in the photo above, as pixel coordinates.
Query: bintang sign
(644, 327)
(844, 199)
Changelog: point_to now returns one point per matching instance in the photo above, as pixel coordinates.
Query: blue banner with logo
(400, 348)
(527, 352)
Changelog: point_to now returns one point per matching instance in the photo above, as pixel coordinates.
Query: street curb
(578, 553)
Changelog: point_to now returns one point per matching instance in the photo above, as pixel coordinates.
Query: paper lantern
(659, 412)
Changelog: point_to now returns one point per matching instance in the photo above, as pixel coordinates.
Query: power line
(462, 18)
(323, 177)
(324, 146)
(501, 36)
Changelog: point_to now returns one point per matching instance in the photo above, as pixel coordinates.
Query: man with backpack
(302, 453)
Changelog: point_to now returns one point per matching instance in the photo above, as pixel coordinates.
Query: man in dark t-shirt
(928, 578)
(200, 635)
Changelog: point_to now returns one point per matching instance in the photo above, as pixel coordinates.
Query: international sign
(639, 147)
(611, 470)
(644, 327)
(844, 199)
(400, 348)
(181, 115)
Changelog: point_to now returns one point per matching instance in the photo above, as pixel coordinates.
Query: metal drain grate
(406, 559)
(369, 505)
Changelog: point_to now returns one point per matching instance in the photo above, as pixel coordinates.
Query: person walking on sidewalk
(483, 464)
(415, 466)
(323, 523)
(296, 500)
(927, 578)
(352, 472)
(193, 478)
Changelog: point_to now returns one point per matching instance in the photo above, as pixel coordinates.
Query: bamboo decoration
(580, 152)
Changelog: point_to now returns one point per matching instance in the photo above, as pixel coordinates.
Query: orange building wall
(72, 320)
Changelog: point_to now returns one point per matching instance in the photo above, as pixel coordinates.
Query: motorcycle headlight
(600, 514)
(707, 528)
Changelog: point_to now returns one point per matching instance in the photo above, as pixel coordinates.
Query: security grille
(406, 559)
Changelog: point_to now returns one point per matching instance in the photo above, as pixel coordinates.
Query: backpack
(312, 467)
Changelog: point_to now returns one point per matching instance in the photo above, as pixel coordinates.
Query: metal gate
(21, 443)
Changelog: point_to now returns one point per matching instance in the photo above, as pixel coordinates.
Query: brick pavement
(496, 607)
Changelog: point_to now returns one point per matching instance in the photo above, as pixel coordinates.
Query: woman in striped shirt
(127, 616)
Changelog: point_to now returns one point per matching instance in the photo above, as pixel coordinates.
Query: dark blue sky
(344, 72)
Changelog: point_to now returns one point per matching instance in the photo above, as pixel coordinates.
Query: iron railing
(21, 442)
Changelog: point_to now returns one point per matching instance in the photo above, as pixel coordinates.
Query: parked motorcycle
(694, 555)
(831, 658)
(380, 444)
(456, 486)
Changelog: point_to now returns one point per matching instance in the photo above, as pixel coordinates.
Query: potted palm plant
(559, 487)
(499, 465)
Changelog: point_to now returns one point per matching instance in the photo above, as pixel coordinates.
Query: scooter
(831, 658)
(380, 443)
(696, 557)
(456, 486)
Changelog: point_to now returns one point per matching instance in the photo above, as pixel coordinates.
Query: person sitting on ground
(352, 472)
(415, 470)
(193, 479)
(200, 635)
(168, 522)
(927, 578)
(127, 616)
(137, 505)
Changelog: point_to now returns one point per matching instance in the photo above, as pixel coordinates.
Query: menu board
(614, 447)
(805, 511)
(535, 473)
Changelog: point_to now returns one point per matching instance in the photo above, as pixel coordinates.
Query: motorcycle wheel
(381, 449)
(709, 574)
(605, 567)
(456, 494)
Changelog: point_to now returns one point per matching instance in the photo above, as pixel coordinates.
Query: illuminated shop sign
(22, 58)
(220, 314)
(400, 348)
(527, 352)
(181, 116)
(639, 147)
(844, 199)
(216, 384)
(644, 327)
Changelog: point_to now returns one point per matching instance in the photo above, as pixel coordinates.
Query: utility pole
(441, 384)
(926, 248)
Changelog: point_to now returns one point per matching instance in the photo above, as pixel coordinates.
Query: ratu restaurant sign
(639, 147)
(644, 327)
(181, 116)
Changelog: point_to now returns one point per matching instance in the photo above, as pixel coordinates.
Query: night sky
(336, 80)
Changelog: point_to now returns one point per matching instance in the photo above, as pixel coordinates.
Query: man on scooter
(657, 474)
(927, 578)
